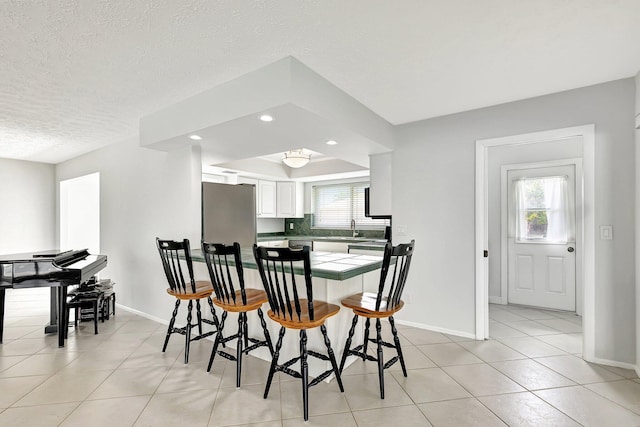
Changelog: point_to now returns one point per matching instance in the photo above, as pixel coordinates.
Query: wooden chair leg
(199, 314)
(380, 357)
(217, 341)
(347, 345)
(304, 372)
(267, 337)
(239, 344)
(171, 323)
(365, 344)
(396, 341)
(332, 356)
(274, 361)
(215, 317)
(188, 333)
(246, 330)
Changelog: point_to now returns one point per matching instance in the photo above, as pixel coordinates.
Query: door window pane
(542, 212)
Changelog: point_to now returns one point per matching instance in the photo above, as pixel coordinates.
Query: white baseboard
(496, 300)
(615, 363)
(143, 314)
(437, 329)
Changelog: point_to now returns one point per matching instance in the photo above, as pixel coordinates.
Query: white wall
(28, 203)
(510, 155)
(144, 194)
(637, 228)
(434, 193)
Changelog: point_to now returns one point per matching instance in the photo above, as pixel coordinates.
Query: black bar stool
(292, 311)
(383, 304)
(230, 299)
(178, 267)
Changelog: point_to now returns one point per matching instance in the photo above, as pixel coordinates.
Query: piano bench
(94, 302)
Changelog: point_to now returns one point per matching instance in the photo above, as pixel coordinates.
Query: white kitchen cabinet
(266, 199)
(282, 199)
(290, 199)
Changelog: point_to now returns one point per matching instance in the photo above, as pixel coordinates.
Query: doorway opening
(585, 260)
(80, 213)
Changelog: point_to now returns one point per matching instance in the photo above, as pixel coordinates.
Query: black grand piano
(55, 269)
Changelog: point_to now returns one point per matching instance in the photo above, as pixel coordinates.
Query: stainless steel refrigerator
(229, 213)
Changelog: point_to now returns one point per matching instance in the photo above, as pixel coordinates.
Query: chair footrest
(288, 371)
(390, 362)
(320, 377)
(384, 343)
(226, 355)
(318, 355)
(256, 344)
(206, 334)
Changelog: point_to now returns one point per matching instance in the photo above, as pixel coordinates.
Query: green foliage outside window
(537, 218)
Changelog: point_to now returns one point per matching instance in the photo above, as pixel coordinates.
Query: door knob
(570, 249)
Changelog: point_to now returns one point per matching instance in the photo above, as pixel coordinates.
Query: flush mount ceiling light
(195, 137)
(296, 158)
(266, 118)
(332, 142)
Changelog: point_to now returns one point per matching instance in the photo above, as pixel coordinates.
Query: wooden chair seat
(204, 289)
(322, 311)
(364, 304)
(255, 299)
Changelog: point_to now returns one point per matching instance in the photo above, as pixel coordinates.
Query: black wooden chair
(277, 268)
(178, 267)
(383, 304)
(235, 299)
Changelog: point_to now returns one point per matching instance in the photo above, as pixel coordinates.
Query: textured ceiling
(77, 75)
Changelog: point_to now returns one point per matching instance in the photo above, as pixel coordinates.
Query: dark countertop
(344, 239)
(327, 265)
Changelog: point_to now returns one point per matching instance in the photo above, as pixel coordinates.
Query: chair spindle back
(175, 256)
(217, 257)
(402, 255)
(277, 268)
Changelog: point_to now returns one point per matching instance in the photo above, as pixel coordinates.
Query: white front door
(541, 237)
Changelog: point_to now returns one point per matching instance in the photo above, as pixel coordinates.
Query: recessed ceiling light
(266, 118)
(332, 142)
(195, 137)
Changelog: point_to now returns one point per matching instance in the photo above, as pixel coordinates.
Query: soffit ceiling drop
(307, 111)
(76, 76)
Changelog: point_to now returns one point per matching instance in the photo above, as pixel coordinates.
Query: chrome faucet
(354, 233)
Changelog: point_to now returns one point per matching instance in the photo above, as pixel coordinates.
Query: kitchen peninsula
(335, 275)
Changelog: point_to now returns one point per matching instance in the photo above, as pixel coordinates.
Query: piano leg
(62, 314)
(52, 327)
(1, 313)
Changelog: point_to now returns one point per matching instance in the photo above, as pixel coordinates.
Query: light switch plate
(606, 232)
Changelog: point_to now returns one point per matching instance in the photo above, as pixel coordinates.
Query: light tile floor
(529, 374)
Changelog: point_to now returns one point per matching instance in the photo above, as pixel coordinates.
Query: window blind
(335, 205)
